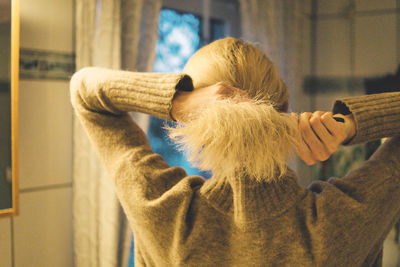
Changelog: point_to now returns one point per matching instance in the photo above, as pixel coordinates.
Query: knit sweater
(181, 220)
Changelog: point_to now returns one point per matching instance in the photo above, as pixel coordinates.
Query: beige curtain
(277, 27)
(119, 35)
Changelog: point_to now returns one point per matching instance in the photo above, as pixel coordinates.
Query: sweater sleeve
(148, 189)
(376, 116)
(353, 214)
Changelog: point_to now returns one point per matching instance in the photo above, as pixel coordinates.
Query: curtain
(109, 33)
(276, 27)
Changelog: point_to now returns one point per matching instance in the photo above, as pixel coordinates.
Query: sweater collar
(249, 201)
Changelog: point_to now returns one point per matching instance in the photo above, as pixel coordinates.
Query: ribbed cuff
(376, 116)
(150, 93)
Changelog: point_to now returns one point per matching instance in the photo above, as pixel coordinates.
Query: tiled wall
(41, 235)
(354, 39)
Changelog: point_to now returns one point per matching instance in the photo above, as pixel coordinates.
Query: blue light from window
(178, 39)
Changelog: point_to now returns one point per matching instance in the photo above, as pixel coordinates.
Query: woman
(252, 212)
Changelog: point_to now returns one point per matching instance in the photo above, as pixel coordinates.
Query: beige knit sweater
(181, 220)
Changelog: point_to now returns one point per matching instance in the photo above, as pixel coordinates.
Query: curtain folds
(119, 35)
(276, 27)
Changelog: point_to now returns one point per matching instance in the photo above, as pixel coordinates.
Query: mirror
(9, 68)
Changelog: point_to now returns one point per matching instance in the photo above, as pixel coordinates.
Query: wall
(41, 235)
(351, 40)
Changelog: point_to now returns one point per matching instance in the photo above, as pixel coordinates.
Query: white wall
(41, 235)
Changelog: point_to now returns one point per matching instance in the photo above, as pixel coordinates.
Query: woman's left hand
(321, 135)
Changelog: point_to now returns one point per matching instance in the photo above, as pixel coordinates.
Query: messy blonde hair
(236, 138)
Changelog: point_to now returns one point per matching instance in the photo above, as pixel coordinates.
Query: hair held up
(235, 137)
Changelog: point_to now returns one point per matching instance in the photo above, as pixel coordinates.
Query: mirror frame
(15, 25)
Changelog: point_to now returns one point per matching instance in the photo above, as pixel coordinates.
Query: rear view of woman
(252, 212)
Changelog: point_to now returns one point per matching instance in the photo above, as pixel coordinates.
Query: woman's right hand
(321, 135)
(185, 103)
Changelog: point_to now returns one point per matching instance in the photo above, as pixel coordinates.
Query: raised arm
(375, 116)
(101, 99)
(155, 197)
(351, 216)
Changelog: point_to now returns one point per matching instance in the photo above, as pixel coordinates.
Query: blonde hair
(239, 64)
(236, 138)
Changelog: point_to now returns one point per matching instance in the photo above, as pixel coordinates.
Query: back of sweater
(181, 220)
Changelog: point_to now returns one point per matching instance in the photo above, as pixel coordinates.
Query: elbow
(79, 86)
(75, 86)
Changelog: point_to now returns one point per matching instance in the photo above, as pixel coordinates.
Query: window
(178, 40)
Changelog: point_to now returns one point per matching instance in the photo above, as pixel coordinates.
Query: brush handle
(349, 123)
(338, 119)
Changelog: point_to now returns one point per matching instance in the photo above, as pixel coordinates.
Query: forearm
(141, 177)
(366, 118)
(101, 98)
(111, 91)
(376, 184)
(375, 116)
(366, 201)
